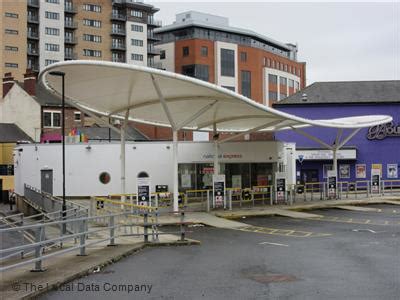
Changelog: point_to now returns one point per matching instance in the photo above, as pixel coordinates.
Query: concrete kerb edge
(89, 270)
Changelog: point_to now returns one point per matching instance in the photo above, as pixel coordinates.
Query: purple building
(376, 147)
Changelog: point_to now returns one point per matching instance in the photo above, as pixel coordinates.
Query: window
(136, 13)
(298, 72)
(93, 53)
(53, 1)
(11, 48)
(92, 7)
(11, 65)
(51, 119)
(11, 31)
(297, 85)
(138, 57)
(196, 71)
(136, 42)
(162, 54)
(228, 62)
(52, 31)
(6, 170)
(11, 15)
(246, 83)
(294, 70)
(104, 178)
(92, 23)
(50, 61)
(285, 68)
(268, 62)
(282, 81)
(185, 51)
(231, 88)
(243, 56)
(137, 28)
(291, 83)
(92, 38)
(52, 47)
(272, 96)
(272, 78)
(204, 51)
(77, 116)
(52, 15)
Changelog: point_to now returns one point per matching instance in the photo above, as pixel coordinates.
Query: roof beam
(196, 115)
(163, 103)
(222, 120)
(311, 137)
(348, 138)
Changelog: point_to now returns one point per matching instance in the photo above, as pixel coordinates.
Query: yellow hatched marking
(282, 232)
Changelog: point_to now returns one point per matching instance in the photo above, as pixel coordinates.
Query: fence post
(230, 199)
(145, 228)
(208, 200)
(38, 250)
(112, 231)
(82, 237)
(156, 225)
(182, 226)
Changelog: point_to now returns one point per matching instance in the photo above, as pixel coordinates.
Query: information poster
(344, 171)
(186, 180)
(237, 181)
(143, 191)
(392, 171)
(219, 190)
(280, 183)
(332, 184)
(361, 171)
(375, 181)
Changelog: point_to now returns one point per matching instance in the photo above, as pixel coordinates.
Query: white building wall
(20, 108)
(169, 62)
(83, 166)
(51, 39)
(130, 34)
(224, 80)
(278, 73)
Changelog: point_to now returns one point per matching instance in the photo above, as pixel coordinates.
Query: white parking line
(275, 244)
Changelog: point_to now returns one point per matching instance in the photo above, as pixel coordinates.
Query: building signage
(219, 190)
(280, 183)
(375, 181)
(380, 132)
(332, 184)
(143, 191)
(322, 154)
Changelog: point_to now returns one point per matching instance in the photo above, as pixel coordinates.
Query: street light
(64, 205)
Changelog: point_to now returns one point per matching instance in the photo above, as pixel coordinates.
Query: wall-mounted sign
(219, 190)
(380, 132)
(143, 191)
(392, 171)
(323, 154)
(361, 170)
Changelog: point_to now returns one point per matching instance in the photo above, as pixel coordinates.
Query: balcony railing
(69, 8)
(118, 17)
(33, 35)
(70, 55)
(118, 46)
(70, 40)
(118, 59)
(34, 3)
(153, 50)
(33, 19)
(69, 24)
(33, 51)
(33, 66)
(156, 65)
(156, 23)
(118, 31)
(152, 36)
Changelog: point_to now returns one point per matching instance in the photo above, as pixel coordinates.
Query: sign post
(280, 184)
(219, 191)
(332, 184)
(143, 191)
(375, 181)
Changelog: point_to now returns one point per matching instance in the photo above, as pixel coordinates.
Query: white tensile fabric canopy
(162, 98)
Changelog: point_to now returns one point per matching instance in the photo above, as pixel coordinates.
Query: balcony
(72, 25)
(154, 23)
(155, 65)
(33, 51)
(69, 8)
(153, 37)
(70, 40)
(70, 55)
(153, 51)
(33, 66)
(118, 59)
(118, 31)
(33, 3)
(33, 19)
(118, 17)
(118, 46)
(33, 35)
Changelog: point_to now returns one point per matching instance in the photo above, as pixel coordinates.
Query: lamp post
(64, 205)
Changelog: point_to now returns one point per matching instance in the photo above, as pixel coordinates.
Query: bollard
(112, 232)
(157, 225)
(38, 250)
(182, 226)
(208, 201)
(145, 229)
(230, 200)
(82, 249)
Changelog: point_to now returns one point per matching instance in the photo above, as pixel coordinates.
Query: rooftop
(11, 133)
(346, 92)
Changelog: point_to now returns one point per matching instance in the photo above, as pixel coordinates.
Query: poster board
(280, 187)
(143, 191)
(332, 184)
(219, 191)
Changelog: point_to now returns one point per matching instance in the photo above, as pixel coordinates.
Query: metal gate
(46, 181)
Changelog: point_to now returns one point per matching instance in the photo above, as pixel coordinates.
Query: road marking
(352, 221)
(275, 244)
(282, 232)
(361, 230)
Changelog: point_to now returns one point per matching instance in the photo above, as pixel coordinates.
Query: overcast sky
(338, 41)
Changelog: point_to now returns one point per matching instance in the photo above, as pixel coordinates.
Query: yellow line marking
(282, 232)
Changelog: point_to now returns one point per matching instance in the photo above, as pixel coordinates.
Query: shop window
(51, 119)
(272, 78)
(104, 177)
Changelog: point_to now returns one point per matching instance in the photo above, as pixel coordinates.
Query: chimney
(8, 82)
(30, 82)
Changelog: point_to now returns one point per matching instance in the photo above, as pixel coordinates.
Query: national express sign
(380, 132)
